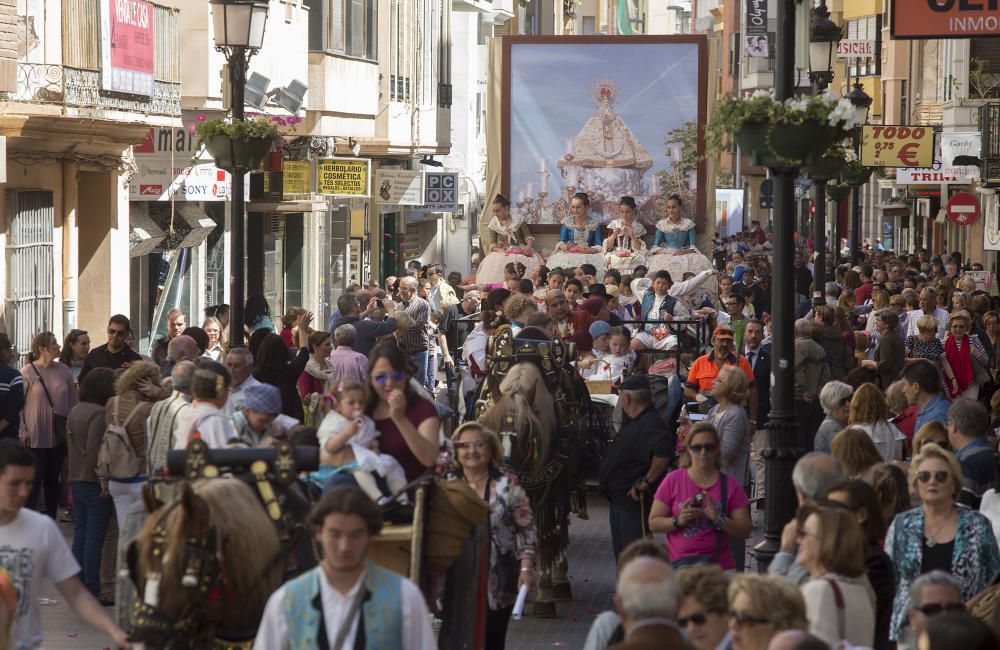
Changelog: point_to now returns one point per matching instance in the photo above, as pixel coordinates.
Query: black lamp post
(862, 102)
(824, 35)
(239, 33)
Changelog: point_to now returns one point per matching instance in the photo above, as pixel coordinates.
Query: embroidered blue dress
(974, 561)
(589, 235)
(672, 237)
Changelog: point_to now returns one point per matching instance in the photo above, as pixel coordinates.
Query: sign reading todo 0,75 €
(344, 176)
(897, 146)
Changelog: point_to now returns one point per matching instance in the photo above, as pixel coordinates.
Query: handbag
(58, 421)
(694, 560)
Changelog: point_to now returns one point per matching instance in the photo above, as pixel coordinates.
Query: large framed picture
(606, 115)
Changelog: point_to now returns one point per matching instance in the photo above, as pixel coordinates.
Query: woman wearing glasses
(835, 398)
(762, 606)
(407, 422)
(701, 611)
(960, 352)
(938, 535)
(699, 507)
(840, 602)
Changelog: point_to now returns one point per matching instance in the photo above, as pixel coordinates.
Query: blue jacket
(935, 410)
(649, 299)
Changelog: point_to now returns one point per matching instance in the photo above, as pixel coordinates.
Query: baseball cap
(723, 332)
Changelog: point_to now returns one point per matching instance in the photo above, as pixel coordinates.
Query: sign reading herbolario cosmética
(897, 146)
(127, 53)
(344, 176)
(945, 18)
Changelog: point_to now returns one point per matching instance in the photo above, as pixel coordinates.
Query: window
(735, 53)
(868, 28)
(904, 102)
(344, 27)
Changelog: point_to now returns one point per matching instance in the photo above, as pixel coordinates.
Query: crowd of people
(896, 378)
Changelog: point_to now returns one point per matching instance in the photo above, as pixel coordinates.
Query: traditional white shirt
(238, 395)
(416, 629)
(213, 424)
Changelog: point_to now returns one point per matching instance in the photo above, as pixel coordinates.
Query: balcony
(76, 81)
(502, 9)
(989, 123)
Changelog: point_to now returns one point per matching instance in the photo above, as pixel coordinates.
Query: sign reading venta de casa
(945, 18)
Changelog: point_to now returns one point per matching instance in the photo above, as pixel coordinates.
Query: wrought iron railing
(989, 124)
(38, 82)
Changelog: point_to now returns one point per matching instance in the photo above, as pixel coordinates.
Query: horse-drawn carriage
(536, 401)
(232, 525)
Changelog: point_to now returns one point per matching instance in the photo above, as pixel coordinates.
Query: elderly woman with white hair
(646, 601)
(835, 398)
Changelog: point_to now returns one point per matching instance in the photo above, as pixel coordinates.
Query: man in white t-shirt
(32, 549)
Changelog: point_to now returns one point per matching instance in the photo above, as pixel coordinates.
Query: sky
(550, 84)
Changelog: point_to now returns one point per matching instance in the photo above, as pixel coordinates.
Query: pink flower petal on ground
(572, 619)
(73, 635)
(592, 611)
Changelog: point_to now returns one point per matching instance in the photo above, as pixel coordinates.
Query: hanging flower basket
(837, 192)
(855, 173)
(239, 144)
(243, 153)
(781, 134)
(827, 167)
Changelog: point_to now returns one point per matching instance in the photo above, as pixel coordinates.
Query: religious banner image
(587, 114)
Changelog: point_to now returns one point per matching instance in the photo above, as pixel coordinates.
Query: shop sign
(399, 187)
(756, 29)
(985, 280)
(344, 176)
(440, 191)
(897, 146)
(850, 48)
(960, 154)
(945, 18)
(127, 61)
(296, 177)
(924, 175)
(164, 170)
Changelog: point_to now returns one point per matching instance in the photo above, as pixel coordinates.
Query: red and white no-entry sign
(962, 209)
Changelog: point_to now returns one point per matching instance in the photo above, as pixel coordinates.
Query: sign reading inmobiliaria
(945, 18)
(127, 60)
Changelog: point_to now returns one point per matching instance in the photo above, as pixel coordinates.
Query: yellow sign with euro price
(296, 177)
(344, 176)
(897, 146)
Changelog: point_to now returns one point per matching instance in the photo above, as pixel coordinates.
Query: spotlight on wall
(355, 146)
(430, 162)
(255, 92)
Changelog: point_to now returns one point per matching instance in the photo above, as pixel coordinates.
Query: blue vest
(649, 299)
(382, 611)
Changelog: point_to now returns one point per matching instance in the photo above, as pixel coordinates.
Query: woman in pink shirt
(699, 507)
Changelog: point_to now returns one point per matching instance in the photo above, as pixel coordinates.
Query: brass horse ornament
(535, 400)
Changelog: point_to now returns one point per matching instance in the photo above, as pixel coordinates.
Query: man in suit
(759, 357)
(646, 601)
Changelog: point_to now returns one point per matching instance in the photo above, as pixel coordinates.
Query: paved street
(592, 572)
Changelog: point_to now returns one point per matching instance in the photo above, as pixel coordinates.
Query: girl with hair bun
(625, 248)
(580, 240)
(506, 239)
(675, 248)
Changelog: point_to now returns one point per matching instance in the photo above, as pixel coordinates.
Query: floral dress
(625, 253)
(512, 538)
(512, 237)
(574, 235)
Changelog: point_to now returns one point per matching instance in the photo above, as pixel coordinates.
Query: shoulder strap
(838, 598)
(719, 534)
(44, 387)
(131, 414)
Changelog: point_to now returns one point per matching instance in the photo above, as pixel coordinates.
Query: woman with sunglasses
(960, 351)
(762, 606)
(699, 507)
(702, 609)
(75, 349)
(939, 535)
(408, 423)
(835, 398)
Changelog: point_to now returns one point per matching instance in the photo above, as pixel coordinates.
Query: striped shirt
(415, 340)
(11, 400)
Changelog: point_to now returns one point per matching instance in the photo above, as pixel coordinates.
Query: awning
(895, 211)
(144, 235)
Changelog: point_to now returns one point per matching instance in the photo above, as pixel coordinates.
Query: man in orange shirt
(705, 368)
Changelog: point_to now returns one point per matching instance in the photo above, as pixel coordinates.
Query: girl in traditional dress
(675, 247)
(625, 248)
(580, 240)
(507, 239)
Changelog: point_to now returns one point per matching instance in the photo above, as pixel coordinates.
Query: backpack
(117, 456)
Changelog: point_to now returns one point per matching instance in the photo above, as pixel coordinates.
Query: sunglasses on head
(930, 609)
(940, 476)
(394, 376)
(706, 448)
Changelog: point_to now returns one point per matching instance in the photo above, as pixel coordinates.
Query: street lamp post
(239, 34)
(862, 101)
(780, 456)
(824, 35)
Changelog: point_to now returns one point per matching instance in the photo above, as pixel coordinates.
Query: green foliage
(256, 128)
